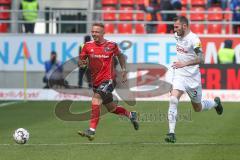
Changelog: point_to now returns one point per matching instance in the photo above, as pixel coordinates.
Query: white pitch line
(10, 103)
(112, 143)
(56, 144)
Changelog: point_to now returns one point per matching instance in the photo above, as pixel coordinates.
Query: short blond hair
(98, 24)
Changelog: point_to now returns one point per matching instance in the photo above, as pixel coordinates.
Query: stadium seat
(198, 2)
(184, 2)
(7, 2)
(140, 28)
(159, 17)
(139, 14)
(4, 15)
(228, 29)
(149, 17)
(109, 16)
(126, 2)
(125, 28)
(3, 27)
(109, 28)
(139, 2)
(197, 28)
(126, 16)
(109, 2)
(214, 28)
(161, 28)
(228, 16)
(216, 14)
(197, 14)
(183, 11)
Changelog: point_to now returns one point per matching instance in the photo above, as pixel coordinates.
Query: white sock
(208, 104)
(92, 129)
(172, 113)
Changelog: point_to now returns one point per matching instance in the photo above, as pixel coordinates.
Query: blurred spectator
(170, 5)
(222, 3)
(53, 72)
(151, 8)
(177, 4)
(235, 7)
(82, 71)
(226, 54)
(29, 14)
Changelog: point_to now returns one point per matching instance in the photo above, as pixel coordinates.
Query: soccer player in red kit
(99, 56)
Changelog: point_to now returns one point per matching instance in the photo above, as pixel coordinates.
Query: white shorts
(191, 85)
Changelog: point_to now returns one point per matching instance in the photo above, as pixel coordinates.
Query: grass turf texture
(199, 135)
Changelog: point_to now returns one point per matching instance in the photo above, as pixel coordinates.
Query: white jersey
(185, 52)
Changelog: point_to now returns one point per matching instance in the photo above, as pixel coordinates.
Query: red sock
(95, 116)
(121, 111)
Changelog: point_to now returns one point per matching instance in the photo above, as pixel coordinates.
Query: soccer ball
(21, 136)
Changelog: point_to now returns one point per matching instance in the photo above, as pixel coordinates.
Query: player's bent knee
(96, 100)
(197, 107)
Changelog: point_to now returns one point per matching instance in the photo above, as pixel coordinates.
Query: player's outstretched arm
(122, 62)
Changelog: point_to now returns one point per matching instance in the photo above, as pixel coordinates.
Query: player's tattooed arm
(199, 59)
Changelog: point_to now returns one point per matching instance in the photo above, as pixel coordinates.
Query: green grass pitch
(200, 136)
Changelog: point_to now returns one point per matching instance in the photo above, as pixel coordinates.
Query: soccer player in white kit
(185, 75)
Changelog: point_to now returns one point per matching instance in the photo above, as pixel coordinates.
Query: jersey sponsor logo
(180, 49)
(99, 56)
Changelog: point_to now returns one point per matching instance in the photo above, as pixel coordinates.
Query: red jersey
(100, 58)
